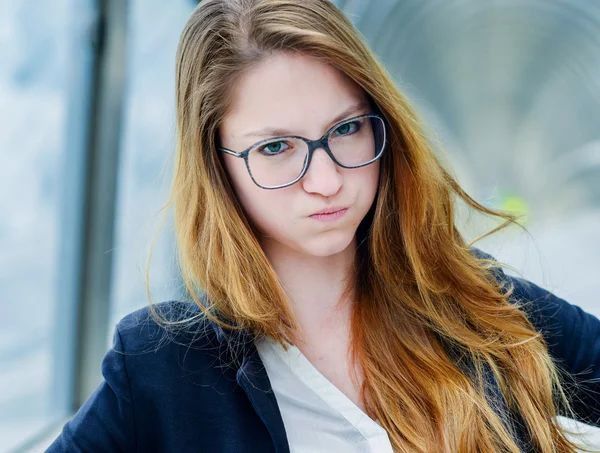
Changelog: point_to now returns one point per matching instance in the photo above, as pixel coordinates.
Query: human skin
(304, 96)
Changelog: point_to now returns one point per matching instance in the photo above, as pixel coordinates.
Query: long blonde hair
(420, 291)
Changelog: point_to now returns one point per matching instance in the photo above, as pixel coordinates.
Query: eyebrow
(273, 131)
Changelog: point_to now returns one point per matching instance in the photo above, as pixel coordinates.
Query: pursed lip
(330, 210)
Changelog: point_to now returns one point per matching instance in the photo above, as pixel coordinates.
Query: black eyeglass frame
(313, 145)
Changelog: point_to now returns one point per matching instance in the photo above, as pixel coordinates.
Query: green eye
(272, 149)
(347, 128)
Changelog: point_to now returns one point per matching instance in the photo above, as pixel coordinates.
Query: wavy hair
(420, 291)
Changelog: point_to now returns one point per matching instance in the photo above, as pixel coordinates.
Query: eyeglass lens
(353, 143)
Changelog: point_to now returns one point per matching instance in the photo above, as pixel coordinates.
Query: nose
(323, 175)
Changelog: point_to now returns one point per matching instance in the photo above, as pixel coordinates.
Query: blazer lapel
(253, 379)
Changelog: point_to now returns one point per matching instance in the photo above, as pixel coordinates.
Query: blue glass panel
(37, 82)
(146, 158)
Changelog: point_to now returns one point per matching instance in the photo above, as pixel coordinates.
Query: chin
(329, 245)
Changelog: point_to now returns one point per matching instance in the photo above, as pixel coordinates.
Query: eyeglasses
(279, 162)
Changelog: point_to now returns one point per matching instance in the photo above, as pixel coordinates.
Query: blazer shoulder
(167, 323)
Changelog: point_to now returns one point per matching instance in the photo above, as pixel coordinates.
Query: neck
(316, 289)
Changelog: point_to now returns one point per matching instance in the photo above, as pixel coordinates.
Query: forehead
(289, 91)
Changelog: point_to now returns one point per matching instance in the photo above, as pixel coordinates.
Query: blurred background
(509, 88)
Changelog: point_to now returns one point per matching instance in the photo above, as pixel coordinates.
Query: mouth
(328, 215)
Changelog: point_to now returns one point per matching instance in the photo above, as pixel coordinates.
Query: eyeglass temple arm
(228, 151)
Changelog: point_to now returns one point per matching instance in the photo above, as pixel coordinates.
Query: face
(298, 95)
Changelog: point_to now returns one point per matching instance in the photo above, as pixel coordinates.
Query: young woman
(336, 307)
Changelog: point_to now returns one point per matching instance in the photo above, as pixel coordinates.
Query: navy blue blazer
(176, 393)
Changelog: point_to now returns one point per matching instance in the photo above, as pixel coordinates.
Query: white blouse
(318, 417)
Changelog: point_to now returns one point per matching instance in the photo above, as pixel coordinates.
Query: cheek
(366, 182)
(264, 208)
(374, 175)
